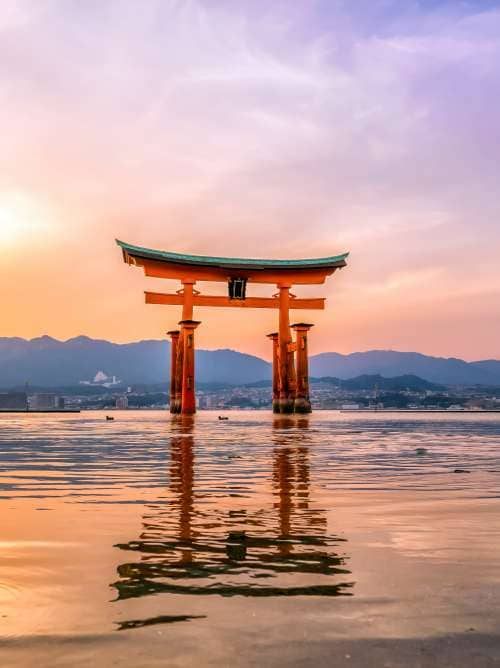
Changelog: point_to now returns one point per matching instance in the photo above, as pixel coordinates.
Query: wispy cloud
(285, 129)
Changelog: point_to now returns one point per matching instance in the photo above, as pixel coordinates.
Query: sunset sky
(287, 129)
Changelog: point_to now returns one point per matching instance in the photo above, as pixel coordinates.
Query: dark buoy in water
(222, 417)
(461, 471)
(420, 451)
(108, 417)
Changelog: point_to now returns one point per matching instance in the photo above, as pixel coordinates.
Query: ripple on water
(237, 508)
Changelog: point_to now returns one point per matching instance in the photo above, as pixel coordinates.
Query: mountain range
(389, 363)
(376, 381)
(47, 362)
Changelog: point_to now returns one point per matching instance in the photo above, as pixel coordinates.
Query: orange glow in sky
(217, 129)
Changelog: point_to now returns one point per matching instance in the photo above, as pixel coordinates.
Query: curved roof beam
(139, 252)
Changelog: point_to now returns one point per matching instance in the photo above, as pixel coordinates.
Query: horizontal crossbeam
(315, 303)
(157, 269)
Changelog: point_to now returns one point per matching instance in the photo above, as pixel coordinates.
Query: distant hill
(47, 362)
(389, 363)
(371, 382)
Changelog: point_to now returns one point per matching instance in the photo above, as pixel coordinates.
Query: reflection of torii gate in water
(290, 376)
(190, 547)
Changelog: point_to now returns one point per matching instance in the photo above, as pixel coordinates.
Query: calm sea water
(153, 540)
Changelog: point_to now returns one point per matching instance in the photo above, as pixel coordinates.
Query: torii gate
(290, 380)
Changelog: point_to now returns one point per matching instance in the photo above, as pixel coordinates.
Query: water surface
(159, 540)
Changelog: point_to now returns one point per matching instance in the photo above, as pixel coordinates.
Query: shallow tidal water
(334, 539)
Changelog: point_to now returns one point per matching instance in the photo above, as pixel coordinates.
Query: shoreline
(415, 410)
(48, 410)
(254, 410)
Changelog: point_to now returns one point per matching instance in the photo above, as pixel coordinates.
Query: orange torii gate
(290, 380)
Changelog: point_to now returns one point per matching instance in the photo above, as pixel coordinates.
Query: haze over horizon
(253, 129)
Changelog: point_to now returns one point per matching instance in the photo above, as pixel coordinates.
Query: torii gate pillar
(302, 402)
(188, 401)
(276, 381)
(175, 398)
(286, 357)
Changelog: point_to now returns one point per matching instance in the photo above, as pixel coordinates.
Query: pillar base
(286, 405)
(302, 405)
(276, 406)
(175, 406)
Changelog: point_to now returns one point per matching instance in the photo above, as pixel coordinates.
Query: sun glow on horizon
(21, 217)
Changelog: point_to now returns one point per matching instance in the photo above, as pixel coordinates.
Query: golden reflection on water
(330, 523)
(194, 547)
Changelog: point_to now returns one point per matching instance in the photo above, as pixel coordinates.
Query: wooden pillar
(276, 375)
(188, 293)
(187, 314)
(178, 371)
(286, 361)
(174, 397)
(302, 402)
(188, 401)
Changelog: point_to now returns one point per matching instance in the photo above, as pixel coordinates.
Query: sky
(287, 129)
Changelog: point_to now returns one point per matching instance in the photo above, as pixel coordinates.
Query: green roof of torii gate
(231, 262)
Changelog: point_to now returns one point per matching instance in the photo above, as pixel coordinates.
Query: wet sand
(471, 650)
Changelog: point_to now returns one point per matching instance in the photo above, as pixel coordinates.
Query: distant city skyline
(283, 129)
